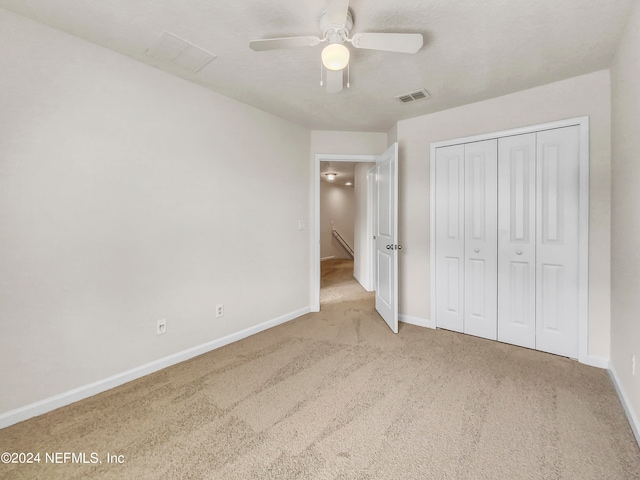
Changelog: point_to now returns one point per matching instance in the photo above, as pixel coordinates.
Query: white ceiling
(473, 49)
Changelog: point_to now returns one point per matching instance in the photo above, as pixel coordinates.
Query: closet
(508, 221)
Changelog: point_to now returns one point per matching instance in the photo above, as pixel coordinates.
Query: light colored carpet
(336, 395)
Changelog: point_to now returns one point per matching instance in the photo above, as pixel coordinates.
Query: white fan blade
(335, 80)
(389, 42)
(288, 42)
(337, 11)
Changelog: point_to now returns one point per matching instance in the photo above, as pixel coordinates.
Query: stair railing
(343, 242)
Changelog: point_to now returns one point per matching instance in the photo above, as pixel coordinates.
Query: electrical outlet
(633, 365)
(161, 327)
(219, 310)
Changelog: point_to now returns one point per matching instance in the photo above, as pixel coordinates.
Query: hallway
(337, 283)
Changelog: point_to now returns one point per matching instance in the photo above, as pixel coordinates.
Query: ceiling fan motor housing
(335, 33)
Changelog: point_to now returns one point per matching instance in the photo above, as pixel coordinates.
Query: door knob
(519, 252)
(388, 247)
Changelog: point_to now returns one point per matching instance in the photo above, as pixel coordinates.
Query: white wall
(362, 266)
(127, 196)
(392, 135)
(579, 96)
(625, 211)
(351, 143)
(337, 205)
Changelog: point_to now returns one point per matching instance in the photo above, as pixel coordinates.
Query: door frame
(325, 157)
(371, 225)
(583, 232)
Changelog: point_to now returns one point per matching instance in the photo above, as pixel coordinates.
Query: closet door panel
(449, 237)
(558, 169)
(481, 243)
(517, 240)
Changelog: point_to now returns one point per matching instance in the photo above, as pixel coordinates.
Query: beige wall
(392, 135)
(362, 265)
(337, 210)
(352, 143)
(579, 96)
(625, 210)
(126, 196)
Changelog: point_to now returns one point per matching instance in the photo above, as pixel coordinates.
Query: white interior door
(481, 241)
(449, 237)
(517, 240)
(386, 233)
(557, 262)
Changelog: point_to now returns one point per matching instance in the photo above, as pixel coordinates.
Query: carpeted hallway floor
(336, 395)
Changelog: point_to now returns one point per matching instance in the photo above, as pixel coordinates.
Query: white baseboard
(420, 322)
(626, 404)
(48, 404)
(595, 361)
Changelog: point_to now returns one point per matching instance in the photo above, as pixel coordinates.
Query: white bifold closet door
(450, 251)
(557, 240)
(481, 246)
(466, 242)
(517, 240)
(538, 240)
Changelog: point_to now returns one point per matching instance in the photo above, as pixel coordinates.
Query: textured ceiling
(473, 49)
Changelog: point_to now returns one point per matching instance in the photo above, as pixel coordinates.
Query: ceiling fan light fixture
(335, 56)
(331, 176)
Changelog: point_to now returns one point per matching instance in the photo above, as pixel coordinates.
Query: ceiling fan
(335, 23)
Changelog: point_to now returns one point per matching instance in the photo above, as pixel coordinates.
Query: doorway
(345, 230)
(385, 228)
(320, 161)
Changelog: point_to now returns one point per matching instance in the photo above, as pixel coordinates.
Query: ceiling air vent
(413, 96)
(173, 49)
